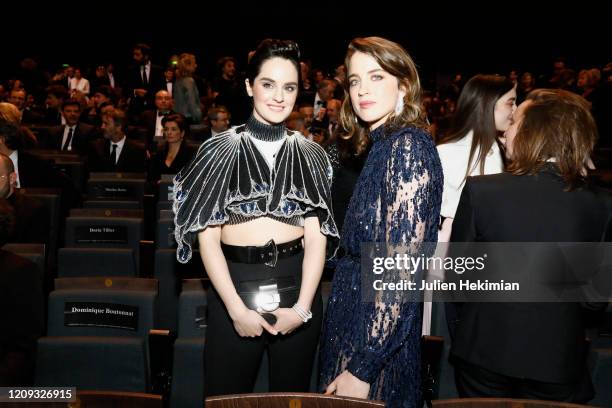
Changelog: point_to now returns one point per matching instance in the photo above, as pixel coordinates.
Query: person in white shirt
(78, 83)
(471, 146)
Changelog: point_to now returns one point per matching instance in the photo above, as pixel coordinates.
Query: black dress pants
(231, 362)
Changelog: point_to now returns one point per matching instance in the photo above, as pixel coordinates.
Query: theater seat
(88, 262)
(93, 362)
(169, 272)
(51, 200)
(97, 331)
(501, 403)
(105, 232)
(188, 368)
(164, 236)
(285, 399)
(116, 187)
(113, 204)
(107, 399)
(602, 376)
(32, 252)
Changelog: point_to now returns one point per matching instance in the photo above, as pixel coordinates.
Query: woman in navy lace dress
(372, 349)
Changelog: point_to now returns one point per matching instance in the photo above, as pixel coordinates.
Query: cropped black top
(230, 181)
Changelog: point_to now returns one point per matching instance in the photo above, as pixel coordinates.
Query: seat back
(32, 252)
(89, 262)
(169, 272)
(119, 307)
(501, 403)
(116, 188)
(192, 309)
(50, 198)
(115, 399)
(285, 399)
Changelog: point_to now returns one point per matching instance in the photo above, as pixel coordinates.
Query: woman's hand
(347, 385)
(287, 320)
(249, 323)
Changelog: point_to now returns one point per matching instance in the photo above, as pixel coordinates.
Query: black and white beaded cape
(229, 177)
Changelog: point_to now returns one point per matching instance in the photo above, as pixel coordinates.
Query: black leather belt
(268, 254)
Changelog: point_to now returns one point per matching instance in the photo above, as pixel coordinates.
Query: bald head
(7, 176)
(163, 101)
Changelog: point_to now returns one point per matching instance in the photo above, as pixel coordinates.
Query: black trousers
(474, 381)
(231, 362)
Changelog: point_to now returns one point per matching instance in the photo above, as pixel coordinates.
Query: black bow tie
(160, 113)
(320, 102)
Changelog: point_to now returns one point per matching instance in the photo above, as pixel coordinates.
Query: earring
(399, 106)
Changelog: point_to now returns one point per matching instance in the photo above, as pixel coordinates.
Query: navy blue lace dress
(396, 201)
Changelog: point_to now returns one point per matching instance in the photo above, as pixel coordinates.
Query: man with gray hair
(219, 118)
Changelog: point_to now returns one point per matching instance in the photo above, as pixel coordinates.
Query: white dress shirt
(159, 129)
(147, 69)
(119, 147)
(317, 106)
(65, 137)
(15, 159)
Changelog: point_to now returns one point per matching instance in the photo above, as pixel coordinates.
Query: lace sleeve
(411, 207)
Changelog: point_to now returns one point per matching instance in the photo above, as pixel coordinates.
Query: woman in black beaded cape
(258, 199)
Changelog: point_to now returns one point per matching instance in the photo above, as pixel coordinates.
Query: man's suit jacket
(131, 159)
(21, 317)
(32, 219)
(539, 341)
(156, 82)
(82, 136)
(148, 121)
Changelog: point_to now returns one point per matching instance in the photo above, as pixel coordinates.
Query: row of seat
(102, 336)
(99, 337)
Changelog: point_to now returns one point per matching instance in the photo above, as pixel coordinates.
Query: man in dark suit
(531, 350)
(73, 136)
(21, 310)
(115, 153)
(18, 98)
(32, 220)
(150, 120)
(144, 80)
(219, 118)
(55, 96)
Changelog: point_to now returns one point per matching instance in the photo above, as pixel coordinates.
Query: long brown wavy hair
(396, 61)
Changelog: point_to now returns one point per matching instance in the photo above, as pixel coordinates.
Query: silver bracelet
(305, 316)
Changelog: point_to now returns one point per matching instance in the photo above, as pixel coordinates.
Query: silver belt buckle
(272, 251)
(268, 298)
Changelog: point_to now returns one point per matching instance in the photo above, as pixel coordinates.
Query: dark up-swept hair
(271, 48)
